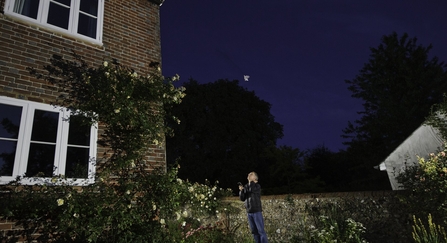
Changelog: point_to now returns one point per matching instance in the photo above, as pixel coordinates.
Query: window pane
(77, 162)
(59, 15)
(40, 160)
(90, 7)
(45, 126)
(7, 156)
(87, 25)
(27, 8)
(64, 2)
(79, 133)
(10, 121)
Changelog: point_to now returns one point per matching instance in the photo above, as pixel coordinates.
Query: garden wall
(287, 216)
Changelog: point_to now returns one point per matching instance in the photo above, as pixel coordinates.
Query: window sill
(55, 31)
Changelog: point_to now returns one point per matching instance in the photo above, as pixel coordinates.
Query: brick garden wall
(286, 216)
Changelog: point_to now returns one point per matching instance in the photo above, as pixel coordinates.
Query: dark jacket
(251, 195)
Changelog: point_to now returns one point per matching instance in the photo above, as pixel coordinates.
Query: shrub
(329, 222)
(426, 184)
(434, 233)
(127, 202)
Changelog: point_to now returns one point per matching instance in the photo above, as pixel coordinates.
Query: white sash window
(39, 142)
(82, 19)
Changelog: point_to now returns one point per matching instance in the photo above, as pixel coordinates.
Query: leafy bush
(329, 222)
(131, 198)
(426, 184)
(434, 234)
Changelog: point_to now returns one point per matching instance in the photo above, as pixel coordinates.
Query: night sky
(298, 54)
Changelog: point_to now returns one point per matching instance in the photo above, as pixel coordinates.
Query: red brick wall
(131, 34)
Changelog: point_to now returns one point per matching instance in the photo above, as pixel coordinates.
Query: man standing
(251, 195)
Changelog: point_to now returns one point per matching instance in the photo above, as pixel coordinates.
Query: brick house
(31, 31)
(34, 139)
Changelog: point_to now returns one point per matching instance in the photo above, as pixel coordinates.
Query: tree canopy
(398, 86)
(223, 131)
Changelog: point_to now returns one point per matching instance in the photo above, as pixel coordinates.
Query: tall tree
(285, 172)
(328, 166)
(398, 86)
(224, 129)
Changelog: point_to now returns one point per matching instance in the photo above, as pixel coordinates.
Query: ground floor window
(40, 141)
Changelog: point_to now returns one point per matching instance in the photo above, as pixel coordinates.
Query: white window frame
(42, 16)
(24, 140)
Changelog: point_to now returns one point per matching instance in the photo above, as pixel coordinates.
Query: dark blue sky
(297, 53)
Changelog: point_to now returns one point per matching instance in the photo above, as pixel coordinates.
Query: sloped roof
(425, 140)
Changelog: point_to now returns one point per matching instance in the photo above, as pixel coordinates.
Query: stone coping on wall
(355, 194)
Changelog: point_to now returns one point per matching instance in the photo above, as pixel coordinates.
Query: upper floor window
(81, 18)
(39, 142)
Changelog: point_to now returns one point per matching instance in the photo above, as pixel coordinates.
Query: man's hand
(241, 188)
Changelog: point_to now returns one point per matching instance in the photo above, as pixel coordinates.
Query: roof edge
(159, 2)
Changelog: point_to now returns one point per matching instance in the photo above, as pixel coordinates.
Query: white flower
(129, 206)
(185, 214)
(162, 221)
(184, 223)
(117, 110)
(134, 75)
(154, 207)
(76, 215)
(60, 202)
(105, 63)
(127, 192)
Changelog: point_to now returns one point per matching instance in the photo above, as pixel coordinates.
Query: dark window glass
(59, 15)
(10, 121)
(27, 8)
(44, 126)
(10, 117)
(77, 162)
(40, 160)
(87, 25)
(79, 132)
(43, 144)
(89, 7)
(64, 2)
(7, 156)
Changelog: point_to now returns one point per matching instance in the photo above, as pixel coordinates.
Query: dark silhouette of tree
(326, 165)
(398, 86)
(223, 132)
(285, 172)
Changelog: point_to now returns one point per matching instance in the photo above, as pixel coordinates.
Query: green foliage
(331, 231)
(434, 233)
(398, 86)
(130, 197)
(437, 117)
(427, 186)
(330, 223)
